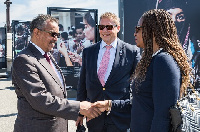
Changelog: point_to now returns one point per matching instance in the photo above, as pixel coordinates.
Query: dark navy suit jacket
(117, 86)
(156, 94)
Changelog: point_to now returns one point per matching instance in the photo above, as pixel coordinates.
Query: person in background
(161, 76)
(64, 50)
(61, 28)
(185, 14)
(75, 57)
(90, 27)
(64, 39)
(71, 40)
(40, 85)
(178, 11)
(105, 75)
(81, 41)
(89, 32)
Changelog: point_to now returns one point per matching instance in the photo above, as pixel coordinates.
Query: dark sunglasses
(109, 27)
(137, 28)
(53, 34)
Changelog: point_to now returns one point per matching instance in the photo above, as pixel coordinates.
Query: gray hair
(40, 21)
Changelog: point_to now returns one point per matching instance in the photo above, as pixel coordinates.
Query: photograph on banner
(186, 16)
(2, 47)
(21, 35)
(77, 29)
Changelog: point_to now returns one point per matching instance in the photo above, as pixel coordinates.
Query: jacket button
(104, 88)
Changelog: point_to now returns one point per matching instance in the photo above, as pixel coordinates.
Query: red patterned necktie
(47, 57)
(104, 65)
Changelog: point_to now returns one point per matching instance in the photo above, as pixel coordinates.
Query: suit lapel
(59, 70)
(119, 57)
(42, 60)
(95, 57)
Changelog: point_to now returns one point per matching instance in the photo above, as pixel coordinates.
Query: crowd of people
(111, 71)
(22, 36)
(73, 41)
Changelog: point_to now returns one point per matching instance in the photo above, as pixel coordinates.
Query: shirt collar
(41, 51)
(83, 40)
(113, 44)
(157, 52)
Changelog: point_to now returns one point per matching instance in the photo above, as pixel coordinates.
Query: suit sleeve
(166, 85)
(121, 105)
(81, 89)
(136, 56)
(27, 79)
(125, 105)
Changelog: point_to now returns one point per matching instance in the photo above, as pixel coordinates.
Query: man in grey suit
(105, 75)
(40, 86)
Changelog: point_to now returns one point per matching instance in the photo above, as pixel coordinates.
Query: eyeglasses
(53, 34)
(109, 27)
(137, 28)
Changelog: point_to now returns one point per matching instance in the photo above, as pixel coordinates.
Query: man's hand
(76, 58)
(63, 50)
(89, 111)
(102, 105)
(79, 120)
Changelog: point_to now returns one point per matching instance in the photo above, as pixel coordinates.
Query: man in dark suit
(98, 84)
(40, 86)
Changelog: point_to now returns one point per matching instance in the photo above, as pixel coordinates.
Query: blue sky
(26, 10)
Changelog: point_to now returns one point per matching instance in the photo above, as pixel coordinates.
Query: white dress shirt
(57, 72)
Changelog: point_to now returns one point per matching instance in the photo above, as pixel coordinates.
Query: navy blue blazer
(117, 86)
(156, 94)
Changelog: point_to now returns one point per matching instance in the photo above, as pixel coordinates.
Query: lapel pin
(120, 52)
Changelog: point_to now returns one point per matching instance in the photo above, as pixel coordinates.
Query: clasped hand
(92, 110)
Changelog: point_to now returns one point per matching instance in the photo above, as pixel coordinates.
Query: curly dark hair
(40, 21)
(158, 24)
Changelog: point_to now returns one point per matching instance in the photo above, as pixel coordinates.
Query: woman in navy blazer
(161, 76)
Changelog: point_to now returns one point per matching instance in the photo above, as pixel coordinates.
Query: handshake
(92, 110)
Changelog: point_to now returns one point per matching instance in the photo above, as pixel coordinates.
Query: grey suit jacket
(117, 87)
(42, 104)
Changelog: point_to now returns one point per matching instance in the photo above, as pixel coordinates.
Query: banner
(3, 63)
(21, 35)
(186, 15)
(78, 31)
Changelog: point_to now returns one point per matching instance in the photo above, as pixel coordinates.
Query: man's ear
(36, 32)
(118, 28)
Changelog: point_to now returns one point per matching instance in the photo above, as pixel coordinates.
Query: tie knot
(47, 57)
(108, 47)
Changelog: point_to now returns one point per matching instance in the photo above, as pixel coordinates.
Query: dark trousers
(109, 126)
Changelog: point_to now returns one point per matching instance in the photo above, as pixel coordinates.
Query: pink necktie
(104, 65)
